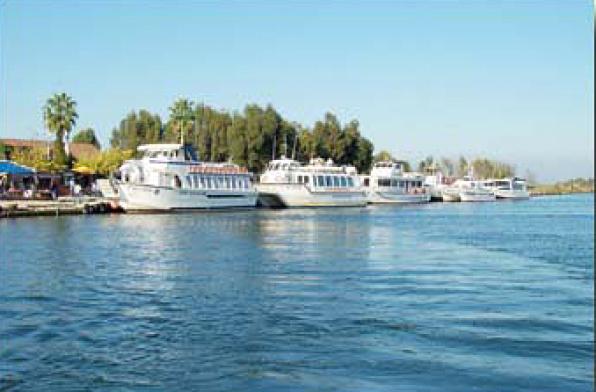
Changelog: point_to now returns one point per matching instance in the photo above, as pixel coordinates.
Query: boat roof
(505, 179)
(159, 147)
(284, 160)
(387, 164)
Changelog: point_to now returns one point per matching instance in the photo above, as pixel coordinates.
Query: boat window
(350, 182)
(228, 183)
(210, 183)
(306, 179)
(320, 180)
(299, 179)
(394, 182)
(335, 181)
(177, 182)
(188, 182)
(343, 181)
(366, 181)
(328, 181)
(384, 182)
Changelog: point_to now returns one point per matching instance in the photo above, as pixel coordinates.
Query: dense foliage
(136, 129)
(37, 158)
(250, 138)
(86, 136)
(106, 162)
(247, 138)
(481, 168)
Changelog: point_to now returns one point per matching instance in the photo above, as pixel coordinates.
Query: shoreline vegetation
(576, 185)
(249, 138)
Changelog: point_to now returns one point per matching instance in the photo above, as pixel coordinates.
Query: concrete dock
(62, 206)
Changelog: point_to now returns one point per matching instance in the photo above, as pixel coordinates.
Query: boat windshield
(519, 185)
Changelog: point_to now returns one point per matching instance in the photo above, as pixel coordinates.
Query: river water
(440, 297)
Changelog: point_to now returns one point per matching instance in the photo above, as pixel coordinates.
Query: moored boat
(389, 184)
(467, 189)
(287, 183)
(508, 188)
(170, 177)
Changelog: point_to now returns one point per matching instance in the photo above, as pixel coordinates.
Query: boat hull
(476, 197)
(297, 195)
(153, 198)
(450, 196)
(376, 197)
(512, 195)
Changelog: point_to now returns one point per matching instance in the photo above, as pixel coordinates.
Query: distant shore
(578, 185)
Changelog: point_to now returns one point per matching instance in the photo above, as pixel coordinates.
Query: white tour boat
(467, 189)
(170, 177)
(508, 188)
(435, 182)
(287, 183)
(387, 183)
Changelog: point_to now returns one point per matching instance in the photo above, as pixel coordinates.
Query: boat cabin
(317, 174)
(516, 184)
(168, 152)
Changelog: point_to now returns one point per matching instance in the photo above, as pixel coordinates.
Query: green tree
(427, 164)
(60, 116)
(182, 117)
(106, 162)
(364, 157)
(383, 155)
(447, 167)
(462, 167)
(4, 153)
(136, 129)
(86, 135)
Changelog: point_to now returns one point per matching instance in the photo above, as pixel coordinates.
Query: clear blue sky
(512, 80)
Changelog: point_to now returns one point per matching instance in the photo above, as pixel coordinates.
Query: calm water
(443, 297)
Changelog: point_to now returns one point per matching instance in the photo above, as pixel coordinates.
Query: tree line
(480, 168)
(250, 138)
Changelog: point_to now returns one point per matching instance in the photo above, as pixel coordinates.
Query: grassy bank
(577, 185)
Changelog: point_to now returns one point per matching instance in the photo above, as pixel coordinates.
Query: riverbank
(578, 185)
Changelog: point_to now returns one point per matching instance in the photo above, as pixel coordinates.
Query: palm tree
(182, 116)
(60, 116)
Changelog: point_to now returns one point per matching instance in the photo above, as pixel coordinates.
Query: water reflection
(342, 299)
